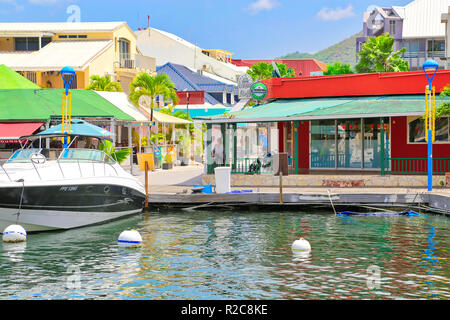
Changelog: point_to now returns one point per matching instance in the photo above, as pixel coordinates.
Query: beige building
(40, 50)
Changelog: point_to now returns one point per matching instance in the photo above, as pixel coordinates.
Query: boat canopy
(78, 127)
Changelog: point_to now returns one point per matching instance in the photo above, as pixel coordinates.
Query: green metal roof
(42, 104)
(327, 108)
(9, 79)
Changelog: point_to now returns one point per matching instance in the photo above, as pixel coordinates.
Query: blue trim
(124, 241)
(11, 232)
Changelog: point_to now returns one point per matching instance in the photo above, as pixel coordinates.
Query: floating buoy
(130, 238)
(14, 234)
(301, 245)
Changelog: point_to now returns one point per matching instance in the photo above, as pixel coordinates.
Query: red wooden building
(302, 67)
(364, 122)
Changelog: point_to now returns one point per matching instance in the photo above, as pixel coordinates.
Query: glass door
(372, 143)
(323, 144)
(350, 144)
(289, 144)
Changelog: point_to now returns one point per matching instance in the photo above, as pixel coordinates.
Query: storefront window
(442, 130)
(323, 144)
(349, 144)
(217, 146)
(263, 140)
(273, 142)
(247, 141)
(417, 130)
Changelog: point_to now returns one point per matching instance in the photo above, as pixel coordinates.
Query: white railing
(424, 54)
(107, 161)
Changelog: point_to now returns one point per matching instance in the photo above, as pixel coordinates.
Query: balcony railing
(127, 63)
(423, 54)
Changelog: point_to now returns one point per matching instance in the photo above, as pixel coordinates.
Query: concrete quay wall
(331, 181)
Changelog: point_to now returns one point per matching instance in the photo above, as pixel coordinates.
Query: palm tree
(99, 83)
(159, 85)
(377, 55)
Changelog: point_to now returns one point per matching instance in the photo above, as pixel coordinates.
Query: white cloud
(339, 13)
(261, 5)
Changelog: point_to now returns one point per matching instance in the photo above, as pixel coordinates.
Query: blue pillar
(430, 160)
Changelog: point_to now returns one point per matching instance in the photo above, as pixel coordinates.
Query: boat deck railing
(62, 158)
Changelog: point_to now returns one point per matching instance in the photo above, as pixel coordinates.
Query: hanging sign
(245, 83)
(259, 91)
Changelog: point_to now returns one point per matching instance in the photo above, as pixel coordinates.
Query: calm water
(235, 255)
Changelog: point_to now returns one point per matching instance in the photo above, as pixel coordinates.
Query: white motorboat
(44, 189)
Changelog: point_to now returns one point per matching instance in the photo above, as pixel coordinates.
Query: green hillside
(344, 51)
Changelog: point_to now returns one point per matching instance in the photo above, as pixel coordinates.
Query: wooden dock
(412, 199)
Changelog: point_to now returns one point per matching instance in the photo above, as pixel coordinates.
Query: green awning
(374, 107)
(328, 108)
(9, 79)
(42, 104)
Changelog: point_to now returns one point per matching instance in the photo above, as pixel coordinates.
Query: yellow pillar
(39, 79)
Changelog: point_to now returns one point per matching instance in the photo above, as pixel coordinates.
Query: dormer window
(392, 28)
(124, 49)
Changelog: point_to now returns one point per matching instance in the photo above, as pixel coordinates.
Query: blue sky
(248, 28)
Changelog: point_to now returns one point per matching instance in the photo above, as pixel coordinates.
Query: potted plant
(168, 162)
(185, 146)
(119, 155)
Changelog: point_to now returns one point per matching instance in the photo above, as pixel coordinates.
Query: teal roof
(327, 108)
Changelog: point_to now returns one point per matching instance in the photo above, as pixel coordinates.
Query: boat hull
(57, 207)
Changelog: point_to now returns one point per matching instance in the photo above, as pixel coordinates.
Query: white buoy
(301, 245)
(14, 234)
(130, 239)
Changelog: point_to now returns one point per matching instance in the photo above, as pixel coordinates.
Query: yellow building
(218, 54)
(40, 50)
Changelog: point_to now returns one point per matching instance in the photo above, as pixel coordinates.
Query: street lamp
(67, 74)
(430, 116)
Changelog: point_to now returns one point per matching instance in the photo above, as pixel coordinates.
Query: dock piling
(281, 187)
(146, 185)
(332, 204)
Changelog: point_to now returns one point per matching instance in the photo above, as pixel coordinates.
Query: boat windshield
(84, 155)
(23, 155)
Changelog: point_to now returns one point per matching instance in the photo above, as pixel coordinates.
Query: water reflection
(14, 252)
(429, 256)
(301, 257)
(236, 255)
